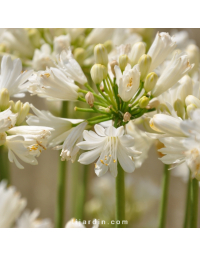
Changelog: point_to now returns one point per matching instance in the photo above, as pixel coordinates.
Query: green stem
(164, 199)
(60, 207)
(120, 198)
(194, 203)
(4, 165)
(187, 207)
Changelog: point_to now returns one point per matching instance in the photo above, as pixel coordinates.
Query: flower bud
(107, 110)
(79, 55)
(90, 99)
(127, 117)
(143, 102)
(179, 108)
(112, 65)
(190, 108)
(4, 99)
(98, 73)
(144, 65)
(23, 113)
(190, 99)
(17, 107)
(123, 61)
(137, 51)
(150, 81)
(101, 55)
(154, 103)
(2, 138)
(193, 54)
(108, 45)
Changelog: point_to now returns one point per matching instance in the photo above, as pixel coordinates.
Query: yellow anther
(102, 161)
(114, 161)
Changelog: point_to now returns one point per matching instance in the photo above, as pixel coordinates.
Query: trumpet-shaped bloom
(111, 146)
(71, 67)
(53, 84)
(62, 126)
(161, 47)
(11, 205)
(12, 77)
(178, 67)
(69, 147)
(27, 143)
(7, 120)
(128, 82)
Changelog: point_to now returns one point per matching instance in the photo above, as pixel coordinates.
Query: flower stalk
(194, 203)
(187, 207)
(164, 198)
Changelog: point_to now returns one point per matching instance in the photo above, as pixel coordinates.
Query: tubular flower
(110, 145)
(7, 120)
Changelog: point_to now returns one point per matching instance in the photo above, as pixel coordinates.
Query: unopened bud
(108, 45)
(144, 65)
(101, 55)
(137, 51)
(23, 113)
(127, 117)
(150, 81)
(4, 99)
(11, 105)
(154, 103)
(98, 73)
(17, 107)
(79, 55)
(123, 61)
(2, 138)
(112, 65)
(190, 99)
(143, 102)
(107, 110)
(90, 99)
(193, 54)
(179, 108)
(190, 108)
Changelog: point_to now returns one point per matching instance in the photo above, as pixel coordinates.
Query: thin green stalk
(61, 186)
(120, 198)
(100, 120)
(164, 199)
(187, 206)
(4, 165)
(194, 203)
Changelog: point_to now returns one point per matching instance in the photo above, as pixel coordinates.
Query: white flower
(71, 67)
(128, 82)
(161, 47)
(30, 220)
(142, 142)
(42, 58)
(61, 43)
(53, 84)
(26, 142)
(111, 145)
(69, 147)
(11, 205)
(99, 35)
(178, 67)
(62, 126)
(7, 120)
(12, 77)
(73, 223)
(17, 40)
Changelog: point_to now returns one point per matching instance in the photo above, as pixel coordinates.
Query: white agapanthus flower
(70, 66)
(53, 84)
(7, 120)
(11, 205)
(61, 43)
(110, 145)
(12, 78)
(128, 82)
(142, 142)
(161, 47)
(73, 223)
(42, 58)
(62, 126)
(30, 219)
(27, 143)
(69, 147)
(175, 70)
